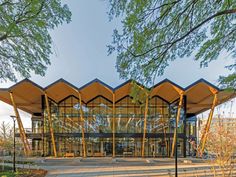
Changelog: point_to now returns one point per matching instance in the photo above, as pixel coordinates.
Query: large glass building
(98, 120)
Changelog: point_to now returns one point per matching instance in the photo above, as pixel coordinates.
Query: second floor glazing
(98, 116)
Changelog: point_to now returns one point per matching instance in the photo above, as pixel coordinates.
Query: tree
(5, 131)
(221, 143)
(6, 136)
(6, 139)
(159, 31)
(25, 41)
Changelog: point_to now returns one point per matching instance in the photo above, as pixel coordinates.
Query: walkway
(119, 167)
(122, 167)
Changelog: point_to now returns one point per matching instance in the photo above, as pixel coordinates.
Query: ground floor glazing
(103, 147)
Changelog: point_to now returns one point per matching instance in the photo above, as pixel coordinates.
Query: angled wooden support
(164, 132)
(113, 126)
(166, 142)
(27, 149)
(145, 125)
(177, 121)
(113, 122)
(82, 121)
(145, 118)
(50, 125)
(82, 124)
(207, 126)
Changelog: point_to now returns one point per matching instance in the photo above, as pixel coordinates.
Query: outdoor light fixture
(176, 125)
(14, 142)
(176, 149)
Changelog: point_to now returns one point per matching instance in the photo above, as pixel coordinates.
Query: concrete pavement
(122, 167)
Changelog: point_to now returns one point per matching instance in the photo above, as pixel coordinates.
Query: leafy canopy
(159, 31)
(25, 41)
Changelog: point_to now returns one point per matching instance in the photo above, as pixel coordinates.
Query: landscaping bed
(22, 172)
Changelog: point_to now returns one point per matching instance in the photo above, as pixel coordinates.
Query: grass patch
(7, 174)
(7, 171)
(5, 168)
(21, 172)
(19, 162)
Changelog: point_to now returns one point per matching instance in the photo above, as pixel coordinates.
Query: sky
(80, 55)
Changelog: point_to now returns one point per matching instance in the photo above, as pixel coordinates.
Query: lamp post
(14, 143)
(176, 148)
(176, 125)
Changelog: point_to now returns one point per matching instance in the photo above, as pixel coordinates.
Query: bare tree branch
(231, 11)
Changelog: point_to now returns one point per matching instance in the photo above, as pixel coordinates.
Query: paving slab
(122, 167)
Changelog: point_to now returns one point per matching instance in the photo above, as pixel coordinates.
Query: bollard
(196, 174)
(185, 172)
(169, 173)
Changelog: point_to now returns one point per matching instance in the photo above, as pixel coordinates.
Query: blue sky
(81, 54)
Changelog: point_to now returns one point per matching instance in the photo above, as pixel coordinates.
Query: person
(193, 147)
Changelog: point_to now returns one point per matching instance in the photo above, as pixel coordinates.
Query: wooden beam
(23, 137)
(177, 121)
(50, 125)
(82, 122)
(113, 126)
(166, 142)
(113, 122)
(197, 105)
(145, 125)
(28, 104)
(207, 127)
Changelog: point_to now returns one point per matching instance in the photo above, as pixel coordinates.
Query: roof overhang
(201, 93)
(28, 95)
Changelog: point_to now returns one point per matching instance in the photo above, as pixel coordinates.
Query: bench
(98, 154)
(127, 153)
(69, 154)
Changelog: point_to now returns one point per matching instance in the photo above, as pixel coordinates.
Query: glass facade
(98, 128)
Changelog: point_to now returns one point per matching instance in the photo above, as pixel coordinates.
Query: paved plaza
(122, 167)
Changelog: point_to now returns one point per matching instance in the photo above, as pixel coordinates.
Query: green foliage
(139, 93)
(228, 82)
(5, 168)
(7, 174)
(25, 42)
(159, 31)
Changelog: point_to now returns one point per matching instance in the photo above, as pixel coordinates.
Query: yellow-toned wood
(145, 119)
(82, 125)
(177, 121)
(23, 137)
(207, 127)
(164, 131)
(213, 91)
(69, 154)
(113, 126)
(81, 120)
(50, 125)
(166, 143)
(113, 122)
(145, 126)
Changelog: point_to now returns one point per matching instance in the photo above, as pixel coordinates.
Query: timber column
(82, 126)
(176, 126)
(145, 125)
(113, 122)
(208, 124)
(50, 125)
(23, 137)
(113, 126)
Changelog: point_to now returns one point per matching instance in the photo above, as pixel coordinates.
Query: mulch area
(32, 173)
